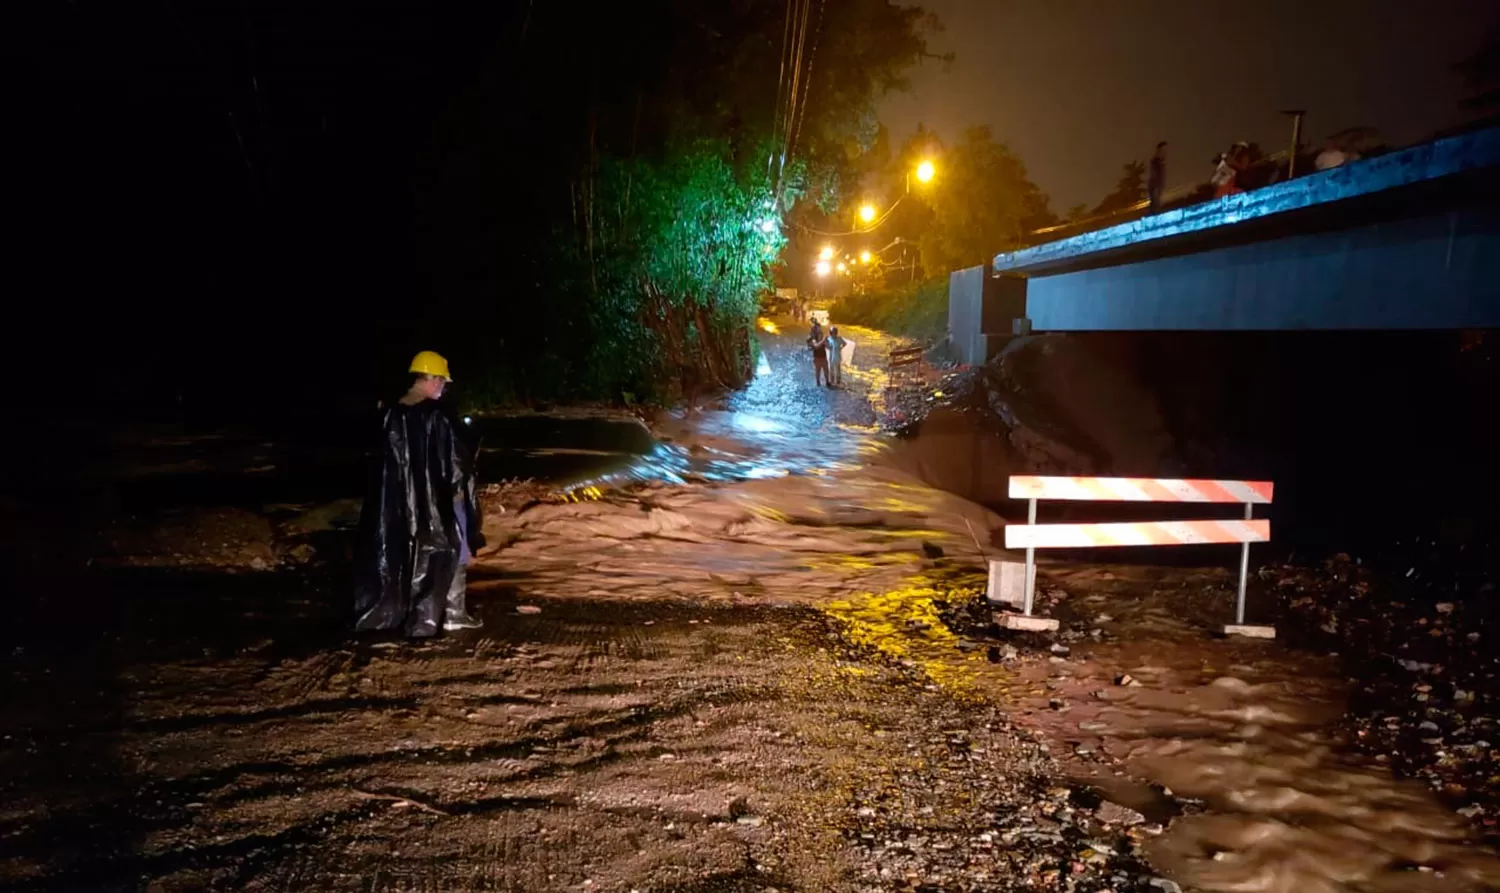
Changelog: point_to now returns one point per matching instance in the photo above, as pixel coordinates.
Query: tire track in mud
(309, 791)
(578, 648)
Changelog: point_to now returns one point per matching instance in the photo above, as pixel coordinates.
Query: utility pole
(1291, 159)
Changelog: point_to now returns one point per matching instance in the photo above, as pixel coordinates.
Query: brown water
(1245, 727)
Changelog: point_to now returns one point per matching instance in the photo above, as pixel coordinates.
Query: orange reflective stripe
(1156, 492)
(1139, 489)
(1144, 533)
(1212, 492)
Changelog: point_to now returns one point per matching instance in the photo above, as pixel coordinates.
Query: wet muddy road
(754, 660)
(644, 746)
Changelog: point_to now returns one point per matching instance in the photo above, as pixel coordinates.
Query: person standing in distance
(1156, 179)
(421, 519)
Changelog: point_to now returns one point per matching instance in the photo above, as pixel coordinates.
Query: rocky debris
(1060, 403)
(1427, 690)
(1115, 814)
(232, 539)
(514, 495)
(216, 538)
(1031, 836)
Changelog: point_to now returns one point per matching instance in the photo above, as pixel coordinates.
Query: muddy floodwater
(747, 653)
(1244, 733)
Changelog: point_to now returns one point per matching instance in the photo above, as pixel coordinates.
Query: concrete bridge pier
(985, 311)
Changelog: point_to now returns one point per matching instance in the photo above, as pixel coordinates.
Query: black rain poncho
(419, 526)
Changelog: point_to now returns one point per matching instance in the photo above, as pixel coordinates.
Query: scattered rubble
(1426, 693)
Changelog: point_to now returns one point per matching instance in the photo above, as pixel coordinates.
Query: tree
(983, 203)
(1129, 192)
(677, 134)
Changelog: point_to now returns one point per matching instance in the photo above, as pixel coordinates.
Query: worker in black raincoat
(420, 523)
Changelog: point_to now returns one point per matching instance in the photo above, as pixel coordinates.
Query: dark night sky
(1079, 87)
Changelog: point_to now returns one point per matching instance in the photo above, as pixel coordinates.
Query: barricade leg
(1240, 628)
(1024, 620)
(1239, 603)
(1030, 560)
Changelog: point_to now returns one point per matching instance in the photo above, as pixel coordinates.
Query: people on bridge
(1332, 156)
(421, 518)
(1227, 170)
(1156, 179)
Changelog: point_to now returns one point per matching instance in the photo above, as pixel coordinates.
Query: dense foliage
(677, 252)
(914, 310)
(679, 136)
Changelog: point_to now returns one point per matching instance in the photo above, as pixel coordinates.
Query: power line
(797, 131)
(874, 224)
(803, 14)
(786, 33)
(805, 9)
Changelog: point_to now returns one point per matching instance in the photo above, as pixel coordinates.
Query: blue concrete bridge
(1408, 240)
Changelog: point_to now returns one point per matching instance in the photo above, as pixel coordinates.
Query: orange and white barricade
(1032, 536)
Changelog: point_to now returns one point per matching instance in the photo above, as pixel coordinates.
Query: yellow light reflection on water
(905, 626)
(767, 326)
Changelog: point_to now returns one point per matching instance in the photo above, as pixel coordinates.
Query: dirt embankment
(1047, 404)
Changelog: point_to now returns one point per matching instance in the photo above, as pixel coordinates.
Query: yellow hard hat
(430, 362)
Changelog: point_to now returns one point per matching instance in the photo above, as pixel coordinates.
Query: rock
(1444, 607)
(1060, 649)
(1092, 726)
(1126, 679)
(528, 609)
(1165, 885)
(258, 563)
(1115, 814)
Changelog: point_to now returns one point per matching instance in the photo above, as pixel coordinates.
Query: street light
(826, 253)
(843, 268)
(864, 257)
(821, 268)
(867, 212)
(925, 172)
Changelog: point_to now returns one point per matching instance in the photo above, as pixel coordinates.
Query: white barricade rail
(1032, 536)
